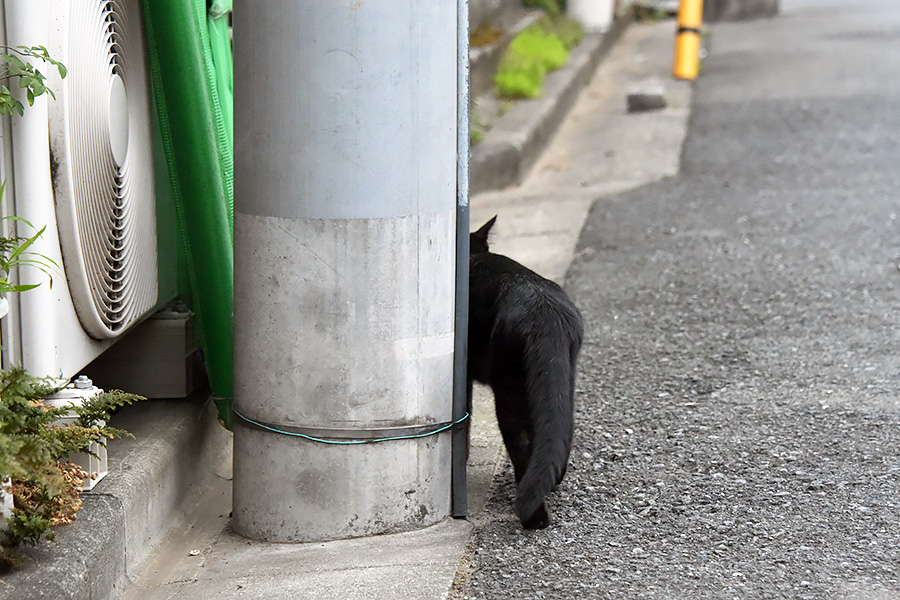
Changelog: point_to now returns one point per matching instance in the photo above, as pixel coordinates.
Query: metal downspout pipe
(459, 503)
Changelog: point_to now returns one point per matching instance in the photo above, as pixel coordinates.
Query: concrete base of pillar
(293, 490)
(342, 324)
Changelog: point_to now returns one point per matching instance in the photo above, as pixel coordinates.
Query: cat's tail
(550, 384)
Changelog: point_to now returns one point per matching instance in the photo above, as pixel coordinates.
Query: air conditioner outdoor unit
(82, 165)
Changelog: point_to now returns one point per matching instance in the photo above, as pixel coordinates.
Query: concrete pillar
(345, 211)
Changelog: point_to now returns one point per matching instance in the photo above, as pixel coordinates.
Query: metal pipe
(459, 503)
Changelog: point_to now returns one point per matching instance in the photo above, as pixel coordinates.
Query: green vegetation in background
(554, 8)
(484, 35)
(534, 52)
(476, 127)
(530, 56)
(649, 14)
(569, 31)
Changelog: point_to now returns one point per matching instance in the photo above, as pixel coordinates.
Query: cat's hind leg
(514, 426)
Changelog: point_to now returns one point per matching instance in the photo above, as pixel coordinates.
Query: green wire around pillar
(196, 133)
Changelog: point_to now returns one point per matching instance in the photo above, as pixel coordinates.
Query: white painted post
(594, 15)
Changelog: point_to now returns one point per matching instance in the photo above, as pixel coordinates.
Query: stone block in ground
(646, 96)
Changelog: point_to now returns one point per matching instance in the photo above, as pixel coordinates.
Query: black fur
(524, 338)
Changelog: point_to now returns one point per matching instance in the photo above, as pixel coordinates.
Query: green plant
(33, 445)
(649, 14)
(29, 78)
(14, 252)
(551, 7)
(13, 248)
(33, 448)
(477, 126)
(569, 31)
(531, 54)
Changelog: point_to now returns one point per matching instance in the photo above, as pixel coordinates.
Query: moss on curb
(530, 56)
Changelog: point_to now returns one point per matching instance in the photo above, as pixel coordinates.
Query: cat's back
(498, 273)
(505, 285)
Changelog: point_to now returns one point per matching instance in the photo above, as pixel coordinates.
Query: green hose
(223, 66)
(196, 120)
(216, 47)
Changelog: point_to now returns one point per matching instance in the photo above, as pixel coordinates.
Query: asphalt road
(738, 405)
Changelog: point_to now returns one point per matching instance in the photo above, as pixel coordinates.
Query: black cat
(524, 338)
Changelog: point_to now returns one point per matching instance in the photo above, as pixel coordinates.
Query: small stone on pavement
(646, 96)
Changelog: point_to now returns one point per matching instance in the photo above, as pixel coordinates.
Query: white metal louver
(102, 162)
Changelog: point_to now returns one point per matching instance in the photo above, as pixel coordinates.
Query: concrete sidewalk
(599, 149)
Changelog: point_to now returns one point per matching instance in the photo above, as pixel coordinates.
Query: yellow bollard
(687, 40)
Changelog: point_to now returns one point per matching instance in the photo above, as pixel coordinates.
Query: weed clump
(531, 55)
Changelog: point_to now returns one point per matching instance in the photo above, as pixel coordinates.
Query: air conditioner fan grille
(101, 138)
